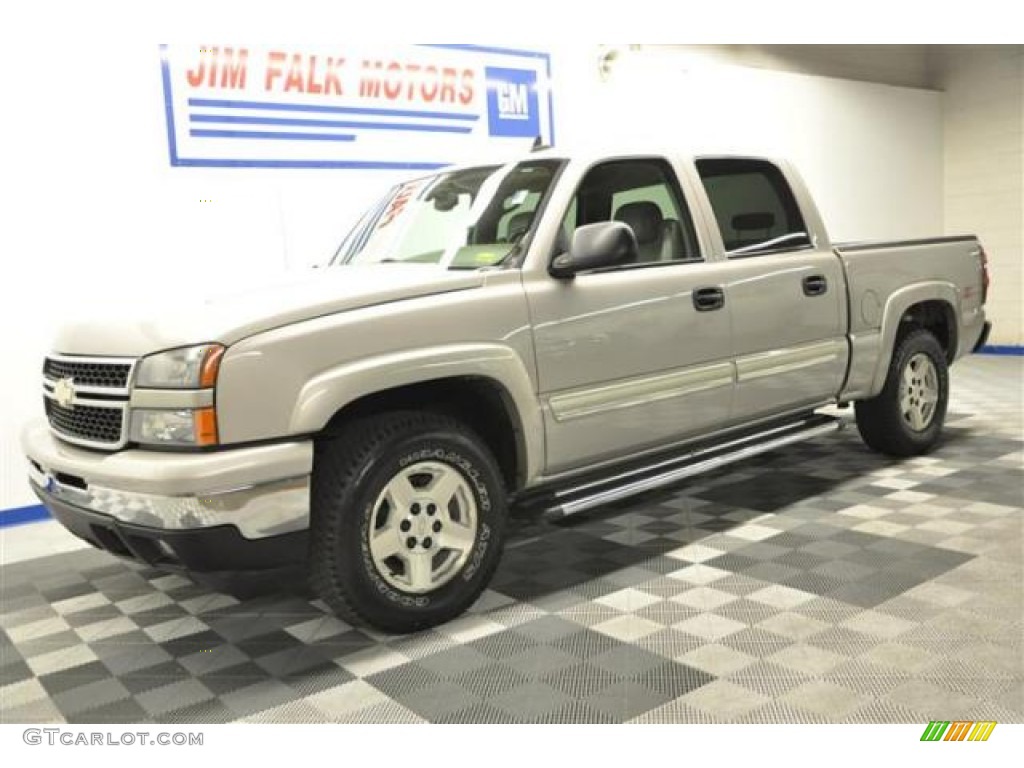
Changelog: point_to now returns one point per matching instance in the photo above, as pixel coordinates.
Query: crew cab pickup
(564, 330)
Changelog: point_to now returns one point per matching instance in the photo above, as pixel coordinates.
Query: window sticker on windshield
(398, 203)
(517, 199)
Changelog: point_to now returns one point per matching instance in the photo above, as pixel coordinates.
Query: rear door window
(754, 206)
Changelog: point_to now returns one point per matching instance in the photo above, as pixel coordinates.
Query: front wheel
(408, 520)
(906, 417)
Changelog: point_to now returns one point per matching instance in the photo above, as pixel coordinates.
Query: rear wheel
(408, 520)
(906, 417)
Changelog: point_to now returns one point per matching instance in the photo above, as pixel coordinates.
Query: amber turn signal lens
(205, 421)
(211, 365)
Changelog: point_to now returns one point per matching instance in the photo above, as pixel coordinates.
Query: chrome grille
(90, 373)
(86, 399)
(87, 422)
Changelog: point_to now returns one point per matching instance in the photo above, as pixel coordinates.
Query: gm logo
(512, 102)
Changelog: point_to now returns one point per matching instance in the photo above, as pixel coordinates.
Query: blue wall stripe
(378, 111)
(1001, 349)
(246, 120)
(19, 515)
(36, 512)
(275, 135)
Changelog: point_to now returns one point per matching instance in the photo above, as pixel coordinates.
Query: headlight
(185, 426)
(184, 368)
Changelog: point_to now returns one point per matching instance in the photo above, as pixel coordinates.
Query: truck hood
(243, 309)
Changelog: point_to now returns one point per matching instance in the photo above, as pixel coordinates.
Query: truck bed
(884, 278)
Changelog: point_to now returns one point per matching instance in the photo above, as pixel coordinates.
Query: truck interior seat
(647, 223)
(673, 244)
(518, 225)
(750, 229)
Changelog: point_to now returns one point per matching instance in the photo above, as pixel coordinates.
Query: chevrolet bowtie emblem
(64, 392)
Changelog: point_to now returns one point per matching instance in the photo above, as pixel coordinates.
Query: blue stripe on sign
(380, 112)
(1000, 349)
(487, 49)
(369, 165)
(246, 120)
(276, 135)
(172, 146)
(19, 515)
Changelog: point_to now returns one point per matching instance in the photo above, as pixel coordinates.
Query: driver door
(637, 356)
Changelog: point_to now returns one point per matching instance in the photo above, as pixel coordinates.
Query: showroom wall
(983, 123)
(95, 217)
(870, 153)
(982, 93)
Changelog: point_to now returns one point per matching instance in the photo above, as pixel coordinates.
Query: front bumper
(219, 549)
(259, 492)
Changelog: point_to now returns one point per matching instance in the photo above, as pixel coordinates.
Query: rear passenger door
(786, 295)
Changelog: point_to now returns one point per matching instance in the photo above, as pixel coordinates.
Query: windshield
(464, 219)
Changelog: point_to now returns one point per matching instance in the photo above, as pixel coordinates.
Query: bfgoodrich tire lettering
(906, 417)
(384, 549)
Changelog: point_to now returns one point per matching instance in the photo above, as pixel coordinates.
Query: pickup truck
(564, 330)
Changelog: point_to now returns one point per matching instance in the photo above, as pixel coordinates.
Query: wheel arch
(485, 387)
(931, 306)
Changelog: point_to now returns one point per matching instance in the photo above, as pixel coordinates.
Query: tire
(906, 417)
(408, 520)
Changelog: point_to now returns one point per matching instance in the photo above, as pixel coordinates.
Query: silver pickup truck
(563, 331)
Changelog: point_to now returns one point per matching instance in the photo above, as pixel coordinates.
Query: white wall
(911, 66)
(92, 211)
(983, 119)
(871, 154)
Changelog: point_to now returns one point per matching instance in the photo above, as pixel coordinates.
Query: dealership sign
(392, 107)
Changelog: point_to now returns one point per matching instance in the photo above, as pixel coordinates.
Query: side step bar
(569, 501)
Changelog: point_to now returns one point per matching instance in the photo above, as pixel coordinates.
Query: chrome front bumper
(262, 491)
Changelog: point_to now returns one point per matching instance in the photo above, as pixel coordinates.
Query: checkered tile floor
(822, 583)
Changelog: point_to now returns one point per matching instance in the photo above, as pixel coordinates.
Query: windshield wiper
(516, 250)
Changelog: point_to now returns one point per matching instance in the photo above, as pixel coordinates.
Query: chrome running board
(577, 498)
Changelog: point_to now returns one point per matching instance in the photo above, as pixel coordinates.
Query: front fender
(330, 391)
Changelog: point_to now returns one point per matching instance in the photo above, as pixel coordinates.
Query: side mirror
(604, 244)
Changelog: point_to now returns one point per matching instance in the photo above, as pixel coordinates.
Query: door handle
(708, 299)
(815, 285)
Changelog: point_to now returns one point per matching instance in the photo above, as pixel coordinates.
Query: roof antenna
(538, 144)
